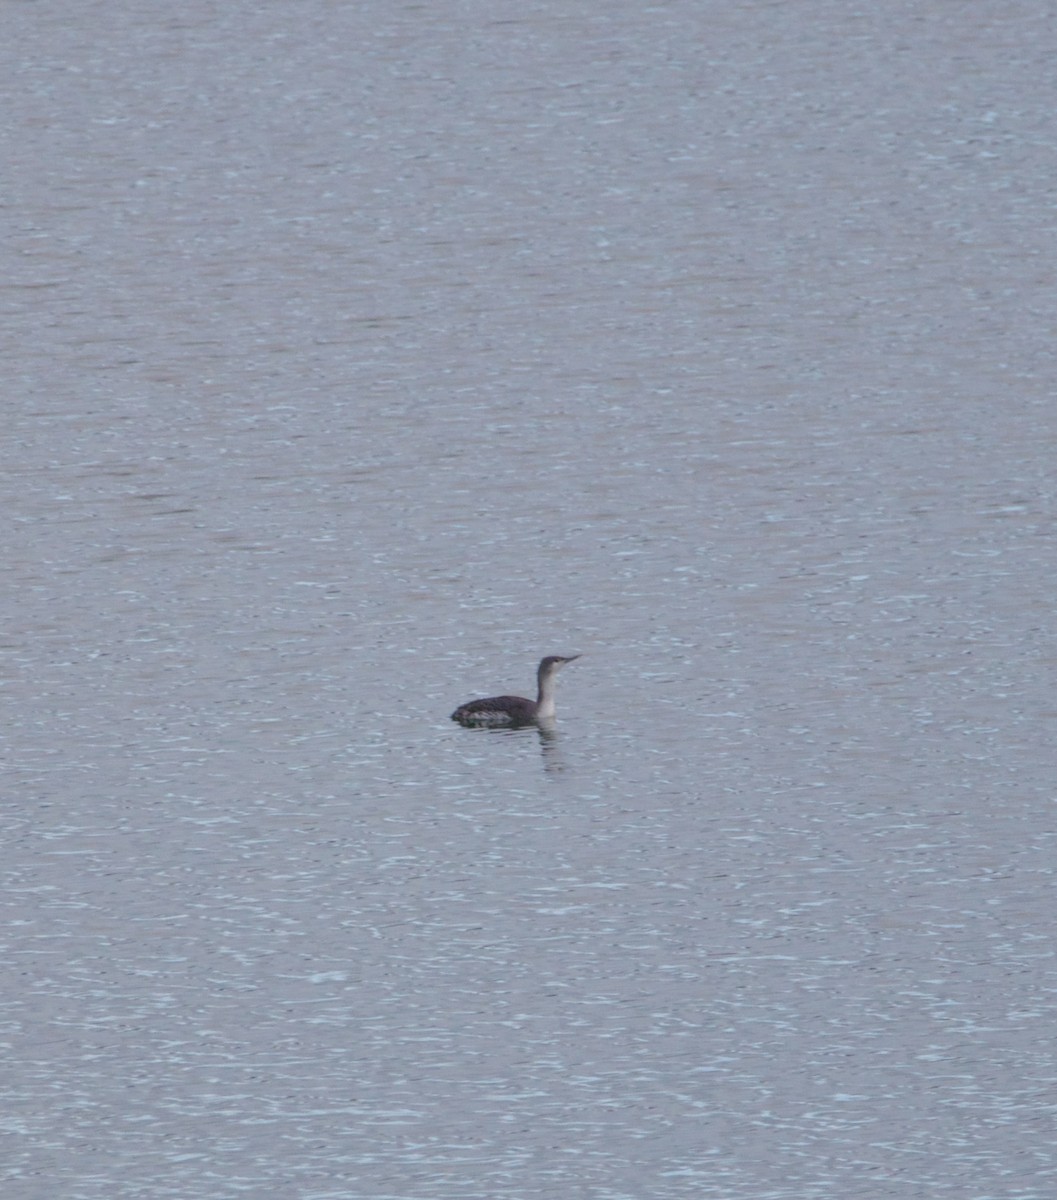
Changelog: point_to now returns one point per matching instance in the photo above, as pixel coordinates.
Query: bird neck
(545, 700)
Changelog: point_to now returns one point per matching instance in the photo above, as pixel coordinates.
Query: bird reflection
(549, 738)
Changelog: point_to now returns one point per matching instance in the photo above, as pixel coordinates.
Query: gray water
(357, 355)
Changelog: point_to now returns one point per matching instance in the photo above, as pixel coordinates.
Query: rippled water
(360, 356)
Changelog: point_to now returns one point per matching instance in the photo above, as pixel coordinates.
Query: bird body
(517, 710)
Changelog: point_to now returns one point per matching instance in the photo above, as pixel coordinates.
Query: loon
(516, 710)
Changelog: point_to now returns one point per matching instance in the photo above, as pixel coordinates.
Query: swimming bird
(517, 710)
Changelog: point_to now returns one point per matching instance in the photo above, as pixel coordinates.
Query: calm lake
(360, 354)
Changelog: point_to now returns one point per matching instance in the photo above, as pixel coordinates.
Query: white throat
(546, 695)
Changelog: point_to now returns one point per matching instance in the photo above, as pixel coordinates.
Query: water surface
(359, 359)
